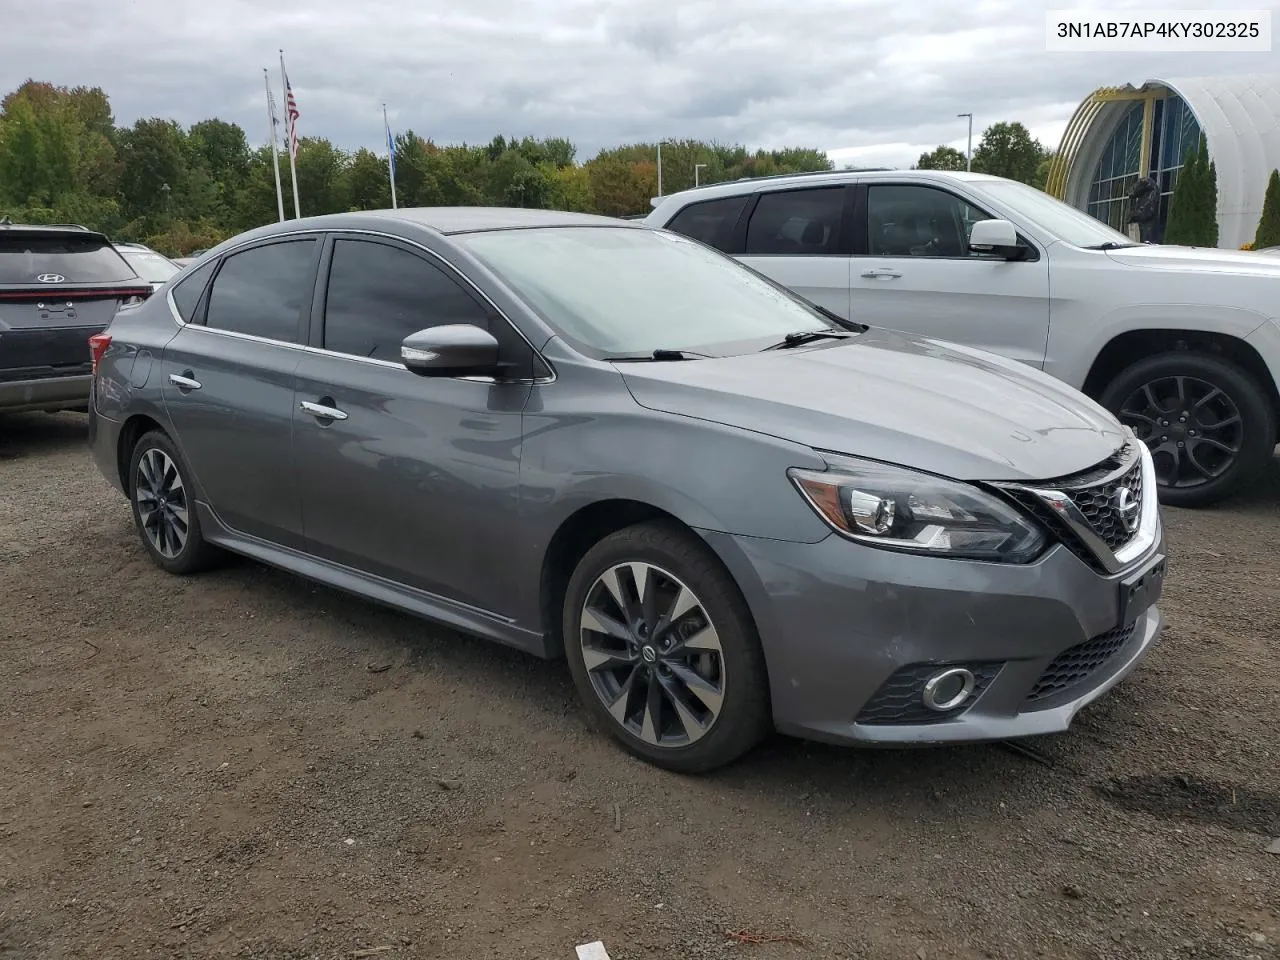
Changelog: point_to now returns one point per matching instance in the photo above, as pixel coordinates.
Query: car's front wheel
(163, 510)
(1209, 424)
(663, 650)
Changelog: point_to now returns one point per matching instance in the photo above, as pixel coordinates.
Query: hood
(1158, 256)
(937, 407)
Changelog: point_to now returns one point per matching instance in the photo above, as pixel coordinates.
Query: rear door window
(711, 221)
(797, 223)
(72, 259)
(262, 291)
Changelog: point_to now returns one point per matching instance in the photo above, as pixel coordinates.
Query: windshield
(1065, 222)
(71, 259)
(150, 265)
(619, 291)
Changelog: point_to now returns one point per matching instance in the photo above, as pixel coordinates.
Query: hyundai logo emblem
(50, 278)
(1128, 507)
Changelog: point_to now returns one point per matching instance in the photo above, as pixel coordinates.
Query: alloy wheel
(652, 655)
(1192, 427)
(162, 503)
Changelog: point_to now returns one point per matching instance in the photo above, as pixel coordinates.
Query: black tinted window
(73, 258)
(262, 290)
(711, 221)
(186, 292)
(379, 294)
(797, 222)
(905, 220)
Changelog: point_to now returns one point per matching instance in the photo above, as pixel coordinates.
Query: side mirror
(450, 350)
(994, 236)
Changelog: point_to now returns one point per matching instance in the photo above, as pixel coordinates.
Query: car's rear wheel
(1209, 424)
(163, 511)
(663, 650)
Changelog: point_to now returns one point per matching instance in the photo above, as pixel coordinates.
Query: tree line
(1004, 150)
(63, 159)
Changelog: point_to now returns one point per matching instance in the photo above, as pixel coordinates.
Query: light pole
(660, 143)
(696, 168)
(968, 154)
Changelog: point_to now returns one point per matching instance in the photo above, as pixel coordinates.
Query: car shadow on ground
(24, 434)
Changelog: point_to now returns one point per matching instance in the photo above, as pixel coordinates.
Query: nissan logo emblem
(50, 278)
(1128, 508)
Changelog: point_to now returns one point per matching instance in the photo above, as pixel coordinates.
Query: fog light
(947, 689)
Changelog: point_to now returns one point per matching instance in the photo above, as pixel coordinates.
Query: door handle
(183, 381)
(881, 272)
(321, 411)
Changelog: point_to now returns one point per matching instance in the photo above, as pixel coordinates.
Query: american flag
(291, 110)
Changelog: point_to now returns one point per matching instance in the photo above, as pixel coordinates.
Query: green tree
(1268, 234)
(153, 153)
(322, 181)
(941, 158)
(368, 182)
(1009, 150)
(1193, 209)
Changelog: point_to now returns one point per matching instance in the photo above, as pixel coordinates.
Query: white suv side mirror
(989, 236)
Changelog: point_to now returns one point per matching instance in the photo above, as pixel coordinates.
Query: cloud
(872, 83)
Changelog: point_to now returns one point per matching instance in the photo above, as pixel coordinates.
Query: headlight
(914, 512)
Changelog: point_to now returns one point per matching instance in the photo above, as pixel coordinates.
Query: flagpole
(391, 157)
(293, 167)
(275, 150)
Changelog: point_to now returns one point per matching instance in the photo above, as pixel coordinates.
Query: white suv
(1181, 343)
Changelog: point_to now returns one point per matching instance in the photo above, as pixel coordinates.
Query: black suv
(59, 285)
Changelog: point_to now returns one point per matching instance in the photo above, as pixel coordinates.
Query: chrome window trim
(445, 265)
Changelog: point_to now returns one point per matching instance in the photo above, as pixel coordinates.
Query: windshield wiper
(841, 321)
(808, 336)
(1112, 245)
(661, 354)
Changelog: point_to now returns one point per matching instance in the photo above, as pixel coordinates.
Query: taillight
(98, 344)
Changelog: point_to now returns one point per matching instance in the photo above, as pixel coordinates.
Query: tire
(672, 557)
(155, 456)
(1225, 407)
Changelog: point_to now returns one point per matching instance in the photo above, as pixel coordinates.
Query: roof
(48, 229)
(466, 219)
(731, 188)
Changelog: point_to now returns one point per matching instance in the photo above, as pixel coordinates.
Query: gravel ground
(244, 765)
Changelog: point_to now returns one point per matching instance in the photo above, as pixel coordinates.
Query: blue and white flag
(391, 156)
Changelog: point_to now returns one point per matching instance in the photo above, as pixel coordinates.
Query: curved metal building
(1119, 134)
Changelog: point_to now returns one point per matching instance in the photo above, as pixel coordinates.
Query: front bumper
(45, 393)
(838, 620)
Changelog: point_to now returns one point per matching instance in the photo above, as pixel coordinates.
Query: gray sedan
(728, 510)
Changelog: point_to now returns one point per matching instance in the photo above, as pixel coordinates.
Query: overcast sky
(870, 82)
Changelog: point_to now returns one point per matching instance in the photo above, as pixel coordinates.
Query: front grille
(1097, 494)
(898, 699)
(1076, 665)
(1100, 505)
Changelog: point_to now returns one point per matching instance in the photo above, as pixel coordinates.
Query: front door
(919, 276)
(228, 385)
(411, 478)
(800, 238)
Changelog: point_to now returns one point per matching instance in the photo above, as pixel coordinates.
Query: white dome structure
(1121, 133)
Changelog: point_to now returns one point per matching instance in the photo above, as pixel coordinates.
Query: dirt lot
(243, 765)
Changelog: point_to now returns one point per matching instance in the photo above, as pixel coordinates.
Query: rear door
(58, 287)
(228, 381)
(801, 238)
(914, 272)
